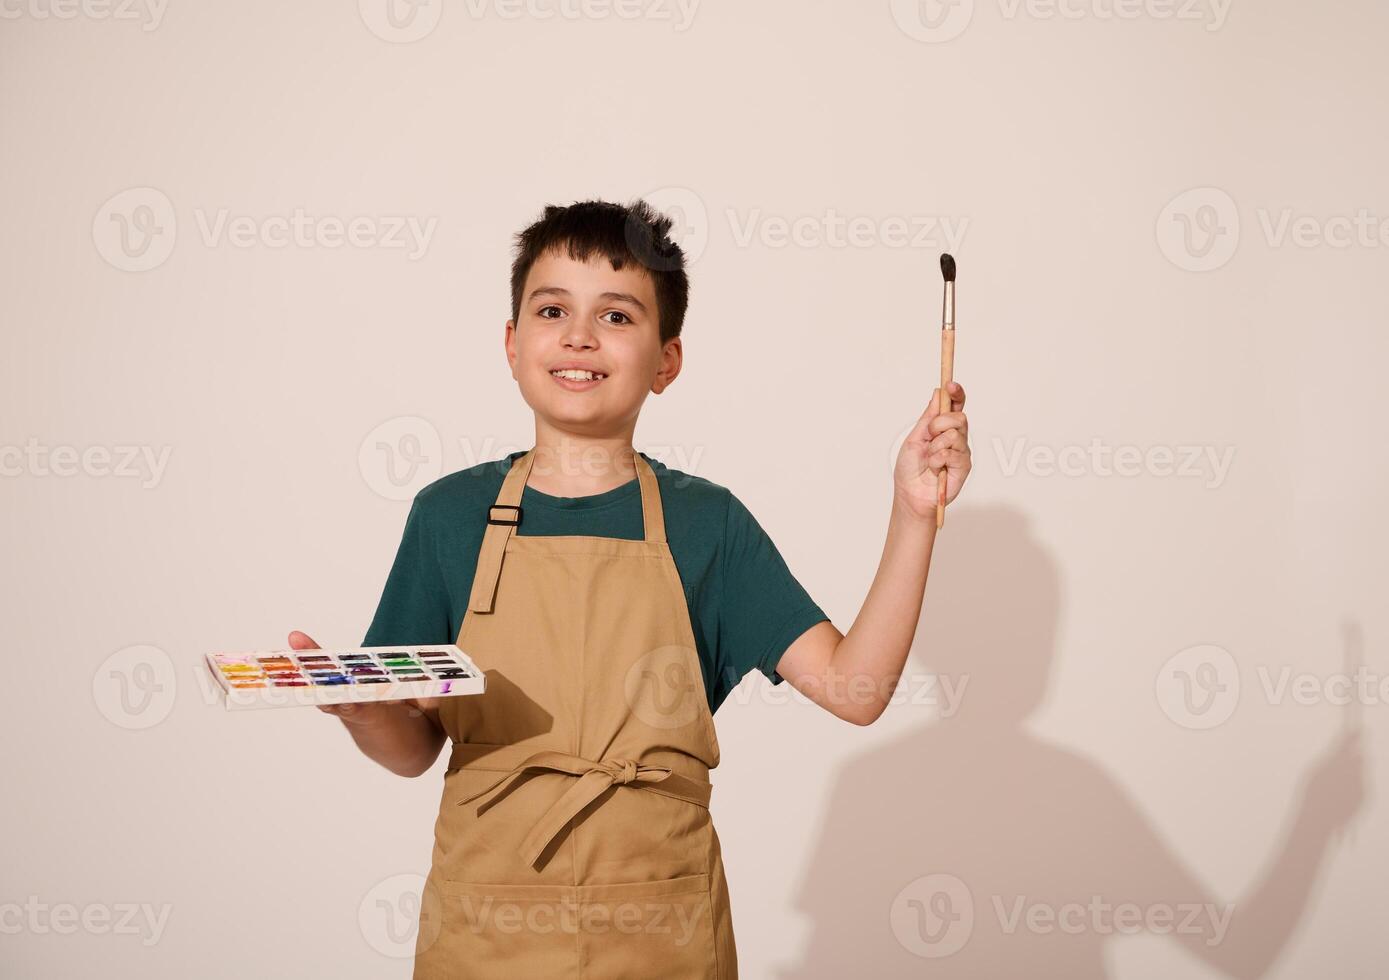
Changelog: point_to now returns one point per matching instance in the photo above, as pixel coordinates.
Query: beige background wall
(1172, 244)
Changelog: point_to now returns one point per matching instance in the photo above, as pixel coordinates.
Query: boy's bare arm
(853, 676)
(404, 736)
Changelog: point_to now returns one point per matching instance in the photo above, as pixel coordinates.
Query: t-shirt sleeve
(414, 606)
(763, 608)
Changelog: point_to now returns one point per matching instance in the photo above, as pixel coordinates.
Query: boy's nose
(578, 335)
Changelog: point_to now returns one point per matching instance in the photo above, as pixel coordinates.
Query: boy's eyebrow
(561, 291)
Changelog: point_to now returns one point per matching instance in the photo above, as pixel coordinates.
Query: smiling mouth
(576, 380)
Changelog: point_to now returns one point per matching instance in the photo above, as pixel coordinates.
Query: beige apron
(574, 838)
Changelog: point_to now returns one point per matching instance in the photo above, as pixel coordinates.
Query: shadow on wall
(971, 848)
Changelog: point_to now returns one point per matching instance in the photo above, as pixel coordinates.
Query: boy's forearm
(399, 737)
(872, 654)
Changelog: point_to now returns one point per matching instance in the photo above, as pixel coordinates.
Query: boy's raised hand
(937, 442)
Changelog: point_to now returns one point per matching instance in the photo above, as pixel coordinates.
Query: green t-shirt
(745, 606)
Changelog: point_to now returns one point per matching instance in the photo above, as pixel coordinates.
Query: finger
(951, 420)
(953, 439)
(920, 431)
(957, 395)
(951, 459)
(302, 641)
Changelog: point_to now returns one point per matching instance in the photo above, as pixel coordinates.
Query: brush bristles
(947, 266)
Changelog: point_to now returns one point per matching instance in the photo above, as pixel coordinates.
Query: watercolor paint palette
(304, 677)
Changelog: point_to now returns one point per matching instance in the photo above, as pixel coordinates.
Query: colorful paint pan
(343, 676)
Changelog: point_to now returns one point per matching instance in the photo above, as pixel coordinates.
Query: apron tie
(593, 779)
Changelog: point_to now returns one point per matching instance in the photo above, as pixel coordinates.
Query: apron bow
(593, 779)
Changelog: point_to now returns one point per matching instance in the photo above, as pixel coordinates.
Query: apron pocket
(637, 930)
(506, 931)
(645, 929)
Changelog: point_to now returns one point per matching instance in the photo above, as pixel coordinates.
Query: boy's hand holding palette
(361, 674)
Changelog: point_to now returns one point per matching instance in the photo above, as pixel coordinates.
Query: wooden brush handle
(947, 371)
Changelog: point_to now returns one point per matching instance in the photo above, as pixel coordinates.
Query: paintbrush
(947, 364)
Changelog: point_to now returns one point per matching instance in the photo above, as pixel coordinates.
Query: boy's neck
(566, 466)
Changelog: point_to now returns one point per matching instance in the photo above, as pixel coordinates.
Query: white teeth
(578, 375)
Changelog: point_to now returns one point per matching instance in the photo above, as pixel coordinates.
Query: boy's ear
(672, 358)
(509, 344)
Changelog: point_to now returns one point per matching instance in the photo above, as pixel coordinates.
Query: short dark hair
(635, 233)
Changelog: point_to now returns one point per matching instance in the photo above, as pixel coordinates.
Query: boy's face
(589, 315)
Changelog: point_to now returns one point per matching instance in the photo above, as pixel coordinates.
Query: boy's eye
(545, 311)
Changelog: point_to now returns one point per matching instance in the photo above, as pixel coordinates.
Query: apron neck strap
(505, 515)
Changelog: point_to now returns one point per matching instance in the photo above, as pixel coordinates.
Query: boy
(613, 603)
